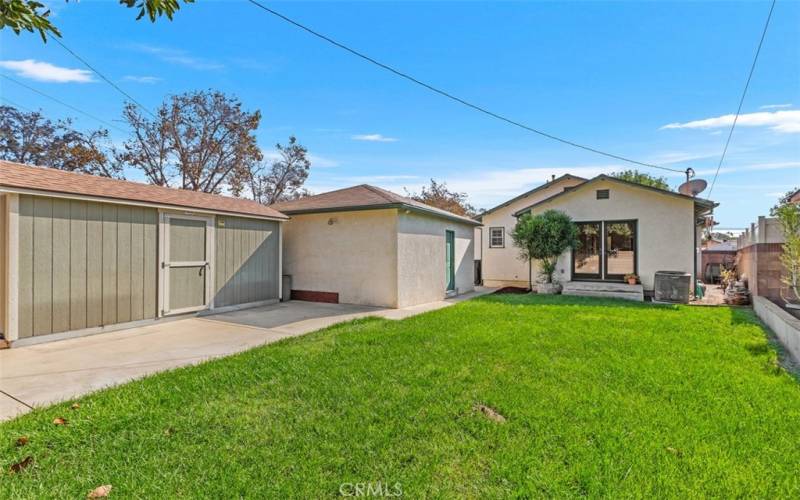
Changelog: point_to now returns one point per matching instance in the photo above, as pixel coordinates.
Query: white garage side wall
(355, 256)
(665, 225)
(421, 269)
(502, 266)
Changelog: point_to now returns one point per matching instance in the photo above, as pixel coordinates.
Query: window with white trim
(497, 237)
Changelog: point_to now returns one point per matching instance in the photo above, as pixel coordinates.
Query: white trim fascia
(280, 261)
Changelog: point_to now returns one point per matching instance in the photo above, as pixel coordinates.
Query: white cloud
(778, 121)
(176, 56)
(142, 79)
(775, 106)
(373, 138)
(46, 72)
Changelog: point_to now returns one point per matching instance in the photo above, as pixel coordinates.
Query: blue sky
(611, 75)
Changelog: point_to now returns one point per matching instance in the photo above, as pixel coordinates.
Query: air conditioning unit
(672, 286)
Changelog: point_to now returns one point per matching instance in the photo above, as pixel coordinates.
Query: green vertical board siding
(150, 264)
(94, 264)
(137, 264)
(84, 264)
(61, 264)
(109, 267)
(25, 266)
(77, 265)
(42, 266)
(246, 261)
(123, 264)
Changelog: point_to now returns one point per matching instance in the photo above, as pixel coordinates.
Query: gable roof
(362, 197)
(23, 178)
(528, 193)
(701, 202)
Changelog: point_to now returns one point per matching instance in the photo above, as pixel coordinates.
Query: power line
(101, 75)
(741, 101)
(451, 96)
(59, 101)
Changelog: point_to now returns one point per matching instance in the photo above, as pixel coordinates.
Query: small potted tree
(544, 237)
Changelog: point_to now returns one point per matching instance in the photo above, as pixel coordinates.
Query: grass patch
(599, 398)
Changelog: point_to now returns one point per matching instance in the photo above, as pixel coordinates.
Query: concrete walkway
(46, 373)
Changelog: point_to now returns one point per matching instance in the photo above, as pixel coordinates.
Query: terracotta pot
(631, 281)
(548, 288)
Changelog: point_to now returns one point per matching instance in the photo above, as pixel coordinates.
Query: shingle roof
(362, 197)
(530, 192)
(19, 176)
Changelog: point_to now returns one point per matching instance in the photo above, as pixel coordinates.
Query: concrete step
(604, 289)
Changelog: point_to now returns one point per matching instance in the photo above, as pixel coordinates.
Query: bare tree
(283, 178)
(201, 141)
(437, 195)
(34, 139)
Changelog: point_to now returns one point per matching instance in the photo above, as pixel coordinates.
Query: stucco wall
(502, 266)
(355, 256)
(665, 225)
(421, 268)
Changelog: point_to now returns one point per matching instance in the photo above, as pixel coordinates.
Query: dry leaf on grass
(22, 440)
(74, 406)
(60, 421)
(100, 491)
(19, 466)
(490, 413)
(674, 451)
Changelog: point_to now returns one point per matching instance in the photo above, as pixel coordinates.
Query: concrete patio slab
(47, 373)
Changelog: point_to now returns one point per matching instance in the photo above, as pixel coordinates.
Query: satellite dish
(692, 187)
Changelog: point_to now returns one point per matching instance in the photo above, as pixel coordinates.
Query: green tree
(642, 178)
(544, 237)
(437, 195)
(30, 15)
(789, 216)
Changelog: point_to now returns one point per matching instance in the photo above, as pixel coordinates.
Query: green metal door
(450, 259)
(186, 264)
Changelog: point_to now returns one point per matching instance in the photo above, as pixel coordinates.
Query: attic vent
(602, 194)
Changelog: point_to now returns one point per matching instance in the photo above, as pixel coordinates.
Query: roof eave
(127, 201)
(382, 206)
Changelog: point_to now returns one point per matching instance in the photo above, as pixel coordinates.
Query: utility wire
(59, 101)
(741, 100)
(451, 96)
(101, 75)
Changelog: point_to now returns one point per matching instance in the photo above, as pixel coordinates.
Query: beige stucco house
(365, 245)
(624, 228)
(499, 263)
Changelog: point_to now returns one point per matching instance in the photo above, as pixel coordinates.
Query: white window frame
(502, 237)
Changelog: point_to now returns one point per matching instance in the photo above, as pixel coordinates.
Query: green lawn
(601, 398)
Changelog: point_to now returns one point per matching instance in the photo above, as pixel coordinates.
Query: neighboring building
(716, 256)
(624, 228)
(795, 197)
(83, 254)
(758, 257)
(499, 258)
(365, 245)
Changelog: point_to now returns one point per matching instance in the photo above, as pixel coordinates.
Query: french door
(606, 251)
(186, 266)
